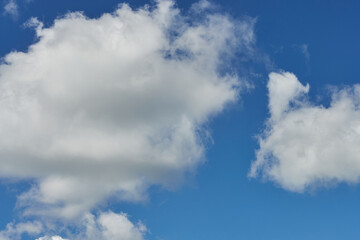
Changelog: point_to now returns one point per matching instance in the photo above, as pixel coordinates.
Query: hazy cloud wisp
(11, 8)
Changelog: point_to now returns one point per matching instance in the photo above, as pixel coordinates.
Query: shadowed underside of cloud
(108, 106)
(306, 146)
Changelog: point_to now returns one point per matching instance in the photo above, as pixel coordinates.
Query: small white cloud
(14, 231)
(11, 8)
(201, 6)
(304, 145)
(112, 226)
(52, 238)
(106, 226)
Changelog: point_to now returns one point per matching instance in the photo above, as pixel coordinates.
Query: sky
(173, 120)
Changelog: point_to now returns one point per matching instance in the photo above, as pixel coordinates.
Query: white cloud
(14, 231)
(108, 106)
(105, 226)
(306, 146)
(283, 89)
(11, 8)
(112, 226)
(51, 238)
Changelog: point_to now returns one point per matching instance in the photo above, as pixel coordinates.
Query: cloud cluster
(305, 145)
(108, 106)
(106, 226)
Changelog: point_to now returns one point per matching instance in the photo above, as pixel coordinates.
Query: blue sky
(309, 195)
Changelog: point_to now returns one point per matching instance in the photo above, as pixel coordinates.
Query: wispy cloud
(304, 48)
(11, 8)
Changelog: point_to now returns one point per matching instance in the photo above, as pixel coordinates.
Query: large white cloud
(109, 106)
(305, 145)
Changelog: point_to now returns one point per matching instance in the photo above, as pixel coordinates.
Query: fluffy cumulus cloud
(112, 226)
(305, 145)
(108, 106)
